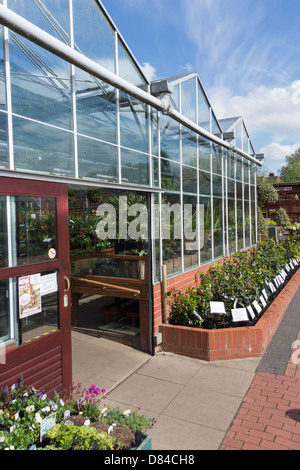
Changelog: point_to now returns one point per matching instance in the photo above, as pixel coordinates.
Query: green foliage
(262, 226)
(290, 172)
(282, 219)
(241, 277)
(129, 419)
(266, 194)
(67, 436)
(23, 408)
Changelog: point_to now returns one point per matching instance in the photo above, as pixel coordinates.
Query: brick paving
(269, 417)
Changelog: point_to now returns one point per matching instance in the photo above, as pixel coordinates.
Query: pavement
(243, 404)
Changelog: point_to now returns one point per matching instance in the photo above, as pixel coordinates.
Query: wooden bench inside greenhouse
(126, 288)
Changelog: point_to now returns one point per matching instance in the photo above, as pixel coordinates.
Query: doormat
(119, 328)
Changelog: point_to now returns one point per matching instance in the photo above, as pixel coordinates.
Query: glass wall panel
(97, 160)
(245, 140)
(231, 188)
(93, 35)
(253, 218)
(170, 175)
(34, 222)
(231, 165)
(170, 131)
(3, 141)
(231, 226)
(239, 190)
(156, 236)
(95, 107)
(203, 110)
(190, 231)
(238, 136)
(204, 154)
(134, 129)
(135, 168)
(206, 243)
(247, 223)
(246, 172)
(3, 233)
(239, 168)
(240, 226)
(217, 186)
(155, 172)
(218, 229)
(253, 170)
(189, 148)
(189, 179)
(154, 132)
(188, 99)
(4, 311)
(40, 81)
(40, 84)
(215, 128)
(2, 72)
(50, 15)
(41, 148)
(40, 324)
(171, 232)
(204, 183)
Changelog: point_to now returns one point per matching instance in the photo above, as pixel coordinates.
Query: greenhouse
(83, 130)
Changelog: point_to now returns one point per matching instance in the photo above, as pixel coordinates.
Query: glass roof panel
(128, 69)
(93, 35)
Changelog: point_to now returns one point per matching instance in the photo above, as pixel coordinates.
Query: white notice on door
(48, 284)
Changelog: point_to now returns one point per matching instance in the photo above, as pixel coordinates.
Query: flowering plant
(85, 400)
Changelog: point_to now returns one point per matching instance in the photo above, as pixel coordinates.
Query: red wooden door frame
(62, 338)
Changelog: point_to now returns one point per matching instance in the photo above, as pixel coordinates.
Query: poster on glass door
(29, 295)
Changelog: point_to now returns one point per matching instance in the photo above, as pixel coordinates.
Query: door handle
(68, 283)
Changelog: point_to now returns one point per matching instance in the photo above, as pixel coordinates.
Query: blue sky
(246, 53)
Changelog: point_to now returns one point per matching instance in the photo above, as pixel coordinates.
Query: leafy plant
(240, 278)
(67, 436)
(129, 419)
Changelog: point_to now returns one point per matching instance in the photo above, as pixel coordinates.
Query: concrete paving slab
(224, 380)
(172, 368)
(205, 407)
(103, 362)
(144, 392)
(174, 434)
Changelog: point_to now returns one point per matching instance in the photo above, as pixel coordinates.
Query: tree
(291, 171)
(261, 223)
(282, 219)
(266, 194)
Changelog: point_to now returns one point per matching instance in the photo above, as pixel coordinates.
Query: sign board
(257, 306)
(29, 295)
(239, 315)
(217, 308)
(46, 425)
(251, 312)
(48, 284)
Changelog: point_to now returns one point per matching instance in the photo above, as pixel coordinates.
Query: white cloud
(269, 110)
(149, 71)
(275, 154)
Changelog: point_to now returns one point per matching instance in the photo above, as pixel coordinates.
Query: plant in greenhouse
(240, 279)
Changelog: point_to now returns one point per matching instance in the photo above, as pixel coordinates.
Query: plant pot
(145, 443)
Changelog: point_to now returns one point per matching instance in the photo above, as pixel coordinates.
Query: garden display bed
(236, 306)
(32, 420)
(230, 343)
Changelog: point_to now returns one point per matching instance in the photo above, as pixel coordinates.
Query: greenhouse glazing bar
(25, 28)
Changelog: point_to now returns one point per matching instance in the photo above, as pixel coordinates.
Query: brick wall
(231, 343)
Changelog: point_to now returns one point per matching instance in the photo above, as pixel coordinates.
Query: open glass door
(35, 314)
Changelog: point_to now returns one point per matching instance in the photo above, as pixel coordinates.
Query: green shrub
(241, 277)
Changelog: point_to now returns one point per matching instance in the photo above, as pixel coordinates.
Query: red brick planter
(231, 343)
